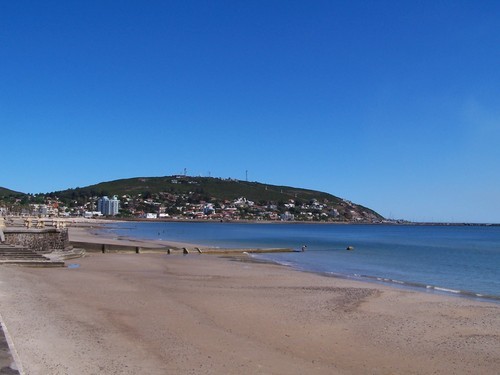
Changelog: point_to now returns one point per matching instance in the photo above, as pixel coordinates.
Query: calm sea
(463, 260)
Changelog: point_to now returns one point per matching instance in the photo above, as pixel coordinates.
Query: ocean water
(461, 260)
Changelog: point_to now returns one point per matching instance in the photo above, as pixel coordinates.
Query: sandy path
(199, 314)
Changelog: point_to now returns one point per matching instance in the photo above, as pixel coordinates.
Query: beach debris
(169, 251)
(185, 251)
(198, 250)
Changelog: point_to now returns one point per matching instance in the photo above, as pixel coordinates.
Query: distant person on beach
(304, 248)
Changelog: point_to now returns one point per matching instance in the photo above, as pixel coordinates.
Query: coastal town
(192, 204)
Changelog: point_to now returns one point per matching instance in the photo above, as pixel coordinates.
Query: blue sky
(391, 104)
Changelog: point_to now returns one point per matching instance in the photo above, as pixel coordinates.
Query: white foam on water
(447, 290)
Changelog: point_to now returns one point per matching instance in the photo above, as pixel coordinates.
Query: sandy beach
(83, 232)
(206, 314)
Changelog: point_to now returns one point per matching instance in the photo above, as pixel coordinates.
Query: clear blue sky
(391, 104)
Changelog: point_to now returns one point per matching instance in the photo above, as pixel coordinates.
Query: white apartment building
(108, 207)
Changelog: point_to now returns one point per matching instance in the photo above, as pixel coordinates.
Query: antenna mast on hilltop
(246, 175)
(185, 172)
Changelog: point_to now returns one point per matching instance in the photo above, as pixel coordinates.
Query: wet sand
(205, 314)
(91, 234)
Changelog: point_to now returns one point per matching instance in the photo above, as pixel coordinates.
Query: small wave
(397, 283)
(259, 257)
(429, 288)
(447, 290)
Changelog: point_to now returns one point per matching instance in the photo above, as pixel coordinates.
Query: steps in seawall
(22, 256)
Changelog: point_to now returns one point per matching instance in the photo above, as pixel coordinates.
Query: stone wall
(40, 240)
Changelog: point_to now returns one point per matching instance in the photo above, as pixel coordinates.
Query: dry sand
(203, 314)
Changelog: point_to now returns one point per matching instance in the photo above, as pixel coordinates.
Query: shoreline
(95, 235)
(390, 283)
(254, 253)
(279, 222)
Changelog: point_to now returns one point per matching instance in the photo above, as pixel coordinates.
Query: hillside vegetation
(188, 197)
(4, 193)
(220, 189)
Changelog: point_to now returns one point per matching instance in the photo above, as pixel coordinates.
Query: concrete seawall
(104, 247)
(97, 242)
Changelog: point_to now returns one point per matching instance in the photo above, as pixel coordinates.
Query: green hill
(210, 189)
(9, 193)
(220, 189)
